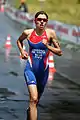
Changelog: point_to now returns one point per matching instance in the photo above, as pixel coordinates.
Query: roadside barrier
(65, 32)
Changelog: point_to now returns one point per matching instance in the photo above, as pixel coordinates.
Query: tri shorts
(39, 80)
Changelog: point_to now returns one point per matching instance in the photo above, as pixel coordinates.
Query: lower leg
(33, 94)
(33, 110)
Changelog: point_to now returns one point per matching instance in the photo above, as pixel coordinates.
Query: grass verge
(67, 11)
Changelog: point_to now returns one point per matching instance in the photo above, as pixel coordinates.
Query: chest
(35, 41)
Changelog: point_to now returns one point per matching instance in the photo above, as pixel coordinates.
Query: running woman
(41, 41)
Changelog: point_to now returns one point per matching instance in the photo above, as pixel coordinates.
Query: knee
(34, 100)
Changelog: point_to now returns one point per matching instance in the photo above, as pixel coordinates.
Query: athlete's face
(41, 21)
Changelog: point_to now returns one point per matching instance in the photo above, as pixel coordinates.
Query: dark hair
(41, 12)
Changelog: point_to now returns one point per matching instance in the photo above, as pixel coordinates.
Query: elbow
(17, 42)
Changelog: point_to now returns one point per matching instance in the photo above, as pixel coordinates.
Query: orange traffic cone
(2, 8)
(8, 42)
(51, 63)
(52, 69)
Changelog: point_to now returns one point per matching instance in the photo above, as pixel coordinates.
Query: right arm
(22, 37)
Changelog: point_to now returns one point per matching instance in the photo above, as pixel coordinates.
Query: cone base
(52, 70)
(2, 8)
(7, 46)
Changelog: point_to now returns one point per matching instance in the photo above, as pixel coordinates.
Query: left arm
(56, 49)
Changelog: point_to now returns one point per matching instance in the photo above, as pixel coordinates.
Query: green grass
(67, 11)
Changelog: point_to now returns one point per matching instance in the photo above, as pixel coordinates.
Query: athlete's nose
(42, 20)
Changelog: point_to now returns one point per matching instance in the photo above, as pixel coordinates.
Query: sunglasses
(40, 19)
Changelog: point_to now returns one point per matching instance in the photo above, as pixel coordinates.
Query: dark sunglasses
(40, 19)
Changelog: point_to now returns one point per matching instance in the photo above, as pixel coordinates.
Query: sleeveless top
(38, 52)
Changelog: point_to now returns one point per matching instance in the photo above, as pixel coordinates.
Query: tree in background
(78, 2)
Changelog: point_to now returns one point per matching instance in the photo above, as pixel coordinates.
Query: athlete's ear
(35, 20)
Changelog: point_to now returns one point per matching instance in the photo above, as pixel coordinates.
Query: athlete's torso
(38, 52)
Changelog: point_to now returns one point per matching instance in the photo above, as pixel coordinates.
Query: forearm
(56, 51)
(20, 41)
(20, 45)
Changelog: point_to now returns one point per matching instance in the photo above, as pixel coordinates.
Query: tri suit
(37, 68)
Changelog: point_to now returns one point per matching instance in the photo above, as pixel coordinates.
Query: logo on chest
(37, 53)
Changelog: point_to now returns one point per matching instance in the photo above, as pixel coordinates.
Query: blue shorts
(38, 79)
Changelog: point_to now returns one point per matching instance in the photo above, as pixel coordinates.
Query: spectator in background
(23, 7)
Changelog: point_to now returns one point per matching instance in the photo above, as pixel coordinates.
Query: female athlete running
(41, 41)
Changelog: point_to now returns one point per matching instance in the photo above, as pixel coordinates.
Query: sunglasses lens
(40, 19)
(45, 20)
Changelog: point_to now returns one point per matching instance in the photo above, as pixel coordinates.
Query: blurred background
(61, 98)
(67, 11)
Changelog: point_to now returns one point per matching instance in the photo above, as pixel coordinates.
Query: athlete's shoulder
(50, 31)
(28, 31)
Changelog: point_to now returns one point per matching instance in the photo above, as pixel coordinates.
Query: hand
(44, 41)
(24, 55)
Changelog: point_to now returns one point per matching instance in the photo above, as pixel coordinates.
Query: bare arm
(55, 50)
(22, 37)
(56, 45)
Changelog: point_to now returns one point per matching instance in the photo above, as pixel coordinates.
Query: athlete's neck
(39, 31)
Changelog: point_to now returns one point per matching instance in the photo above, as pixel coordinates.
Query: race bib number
(37, 53)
